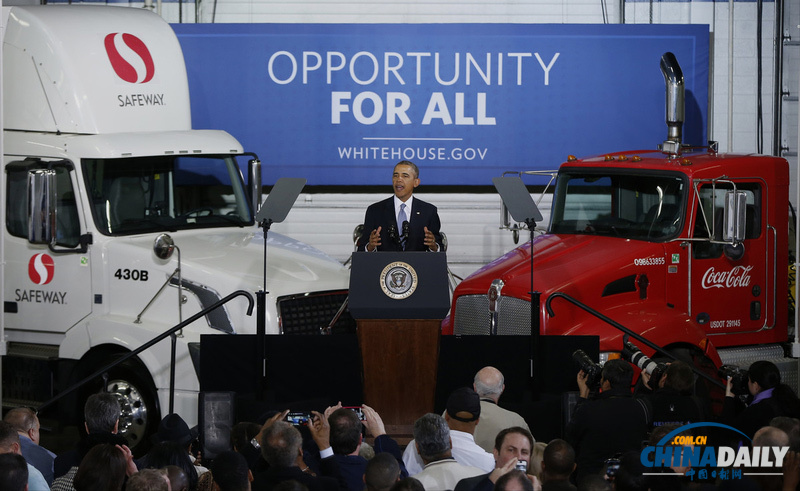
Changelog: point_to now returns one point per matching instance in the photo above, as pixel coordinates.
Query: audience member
(537, 454)
(792, 428)
(768, 398)
(408, 484)
(148, 480)
(382, 472)
(173, 428)
(174, 453)
(511, 446)
(612, 422)
(104, 468)
(432, 442)
(673, 401)
(558, 464)
(101, 421)
(462, 416)
(231, 472)
(594, 482)
(178, 480)
(630, 474)
(515, 480)
(489, 383)
(281, 447)
(27, 425)
(244, 440)
(13, 472)
(9, 444)
(346, 442)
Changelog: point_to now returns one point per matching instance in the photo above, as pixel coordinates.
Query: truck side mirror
(42, 206)
(733, 226)
(254, 180)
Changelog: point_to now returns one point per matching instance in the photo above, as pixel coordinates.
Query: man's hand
(728, 389)
(130, 465)
(320, 430)
(430, 240)
(373, 421)
(646, 379)
(498, 472)
(277, 417)
(331, 409)
(374, 239)
(582, 387)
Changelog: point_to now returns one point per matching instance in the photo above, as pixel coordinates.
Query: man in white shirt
(432, 442)
(462, 417)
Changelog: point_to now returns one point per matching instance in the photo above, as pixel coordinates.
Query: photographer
(672, 400)
(610, 423)
(768, 398)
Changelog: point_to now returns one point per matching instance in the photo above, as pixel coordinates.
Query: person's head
(792, 428)
(463, 410)
(537, 455)
(513, 481)
(679, 377)
(173, 428)
(178, 480)
(770, 436)
(432, 437)
(25, 421)
(408, 484)
(167, 453)
(102, 469)
(13, 472)
(9, 439)
(230, 472)
(242, 433)
(281, 444)
(345, 431)
(148, 480)
(630, 475)
(382, 472)
(618, 374)
(404, 179)
(762, 375)
(512, 443)
(558, 461)
(489, 383)
(101, 413)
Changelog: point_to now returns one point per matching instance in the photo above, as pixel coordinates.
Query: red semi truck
(686, 246)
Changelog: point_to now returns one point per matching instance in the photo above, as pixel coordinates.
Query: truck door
(47, 289)
(730, 295)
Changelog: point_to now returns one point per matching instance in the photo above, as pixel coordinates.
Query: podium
(399, 300)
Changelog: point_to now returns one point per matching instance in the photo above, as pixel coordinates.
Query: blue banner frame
(340, 104)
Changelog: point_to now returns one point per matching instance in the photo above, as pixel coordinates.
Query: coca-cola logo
(739, 276)
(41, 268)
(129, 57)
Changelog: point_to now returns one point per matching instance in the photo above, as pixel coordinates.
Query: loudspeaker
(216, 420)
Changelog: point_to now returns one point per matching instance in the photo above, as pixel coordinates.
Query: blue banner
(340, 104)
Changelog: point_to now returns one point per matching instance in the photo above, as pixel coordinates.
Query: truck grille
(473, 317)
(311, 313)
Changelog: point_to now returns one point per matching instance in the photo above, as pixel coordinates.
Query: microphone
(405, 229)
(393, 234)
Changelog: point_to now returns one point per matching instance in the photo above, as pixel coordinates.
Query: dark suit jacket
(381, 214)
(266, 480)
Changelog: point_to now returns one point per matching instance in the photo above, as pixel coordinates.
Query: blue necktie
(401, 217)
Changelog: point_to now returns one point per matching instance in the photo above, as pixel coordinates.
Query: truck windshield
(148, 194)
(645, 207)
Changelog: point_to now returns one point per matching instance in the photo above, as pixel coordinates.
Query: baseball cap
(464, 404)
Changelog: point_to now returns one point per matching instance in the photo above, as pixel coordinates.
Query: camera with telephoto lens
(589, 367)
(634, 356)
(739, 378)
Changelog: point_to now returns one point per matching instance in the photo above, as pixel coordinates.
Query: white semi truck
(103, 171)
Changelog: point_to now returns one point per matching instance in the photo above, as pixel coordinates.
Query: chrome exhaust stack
(675, 110)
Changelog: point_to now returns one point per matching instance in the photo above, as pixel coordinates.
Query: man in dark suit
(385, 227)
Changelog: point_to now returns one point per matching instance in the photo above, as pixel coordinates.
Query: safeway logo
(129, 57)
(739, 276)
(41, 268)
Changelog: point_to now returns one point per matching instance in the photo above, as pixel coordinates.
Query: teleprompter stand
(522, 208)
(274, 210)
(399, 300)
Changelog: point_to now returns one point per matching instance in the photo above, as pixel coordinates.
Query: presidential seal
(398, 280)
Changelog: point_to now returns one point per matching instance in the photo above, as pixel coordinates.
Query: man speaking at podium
(401, 223)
